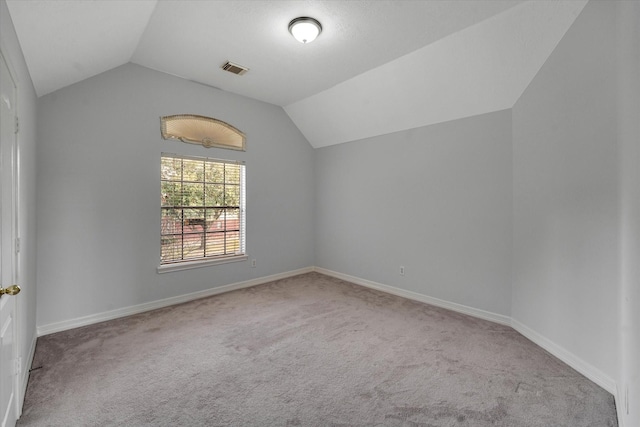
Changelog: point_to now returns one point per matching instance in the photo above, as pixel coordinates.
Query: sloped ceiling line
(481, 69)
(379, 66)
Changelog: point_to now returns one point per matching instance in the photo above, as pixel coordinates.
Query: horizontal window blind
(203, 208)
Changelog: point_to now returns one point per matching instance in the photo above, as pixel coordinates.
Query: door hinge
(17, 124)
(17, 245)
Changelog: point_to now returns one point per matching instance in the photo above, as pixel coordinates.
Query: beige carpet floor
(309, 350)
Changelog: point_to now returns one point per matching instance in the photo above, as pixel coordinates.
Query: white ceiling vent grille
(235, 68)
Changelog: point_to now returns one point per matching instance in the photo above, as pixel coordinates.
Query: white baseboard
(586, 369)
(561, 353)
(475, 312)
(141, 308)
(556, 350)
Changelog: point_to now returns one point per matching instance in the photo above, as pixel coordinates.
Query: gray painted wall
(26, 104)
(99, 192)
(565, 186)
(435, 199)
(629, 137)
(515, 212)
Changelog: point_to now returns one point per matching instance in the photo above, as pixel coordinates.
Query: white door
(8, 327)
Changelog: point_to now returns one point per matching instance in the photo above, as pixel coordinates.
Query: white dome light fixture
(305, 29)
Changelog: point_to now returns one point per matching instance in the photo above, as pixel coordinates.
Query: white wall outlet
(253, 263)
(402, 270)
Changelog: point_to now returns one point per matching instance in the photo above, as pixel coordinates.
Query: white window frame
(241, 255)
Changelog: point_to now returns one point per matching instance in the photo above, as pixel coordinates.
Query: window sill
(178, 266)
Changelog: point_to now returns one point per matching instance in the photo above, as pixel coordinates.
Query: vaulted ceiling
(378, 66)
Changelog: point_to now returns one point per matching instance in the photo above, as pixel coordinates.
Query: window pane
(171, 221)
(214, 221)
(232, 221)
(192, 194)
(232, 174)
(214, 172)
(171, 168)
(171, 249)
(192, 170)
(232, 195)
(171, 193)
(193, 245)
(233, 242)
(201, 216)
(215, 244)
(193, 220)
(214, 195)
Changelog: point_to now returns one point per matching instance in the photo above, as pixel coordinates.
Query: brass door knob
(11, 290)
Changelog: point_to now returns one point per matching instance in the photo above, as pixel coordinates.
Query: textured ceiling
(480, 69)
(417, 54)
(192, 39)
(64, 42)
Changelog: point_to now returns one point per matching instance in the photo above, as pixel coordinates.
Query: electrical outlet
(253, 263)
(402, 270)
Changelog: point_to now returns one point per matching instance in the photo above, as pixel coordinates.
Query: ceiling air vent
(234, 68)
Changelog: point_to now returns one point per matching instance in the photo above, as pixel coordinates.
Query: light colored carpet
(310, 350)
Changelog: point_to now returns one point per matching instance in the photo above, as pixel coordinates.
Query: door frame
(13, 200)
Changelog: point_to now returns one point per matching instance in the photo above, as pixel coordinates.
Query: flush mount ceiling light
(305, 29)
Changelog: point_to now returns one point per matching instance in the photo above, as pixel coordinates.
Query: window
(203, 211)
(207, 131)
